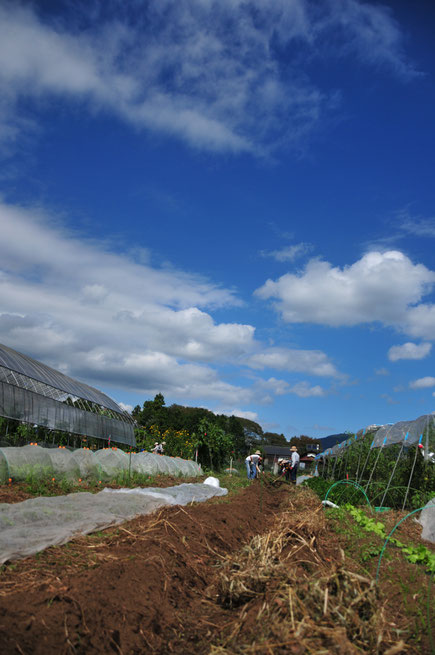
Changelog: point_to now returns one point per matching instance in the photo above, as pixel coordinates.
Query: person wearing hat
(252, 465)
(294, 464)
(158, 448)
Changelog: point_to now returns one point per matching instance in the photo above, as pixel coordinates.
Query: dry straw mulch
(291, 599)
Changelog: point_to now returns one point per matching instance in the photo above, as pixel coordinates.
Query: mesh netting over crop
(27, 461)
(421, 430)
(106, 464)
(394, 465)
(33, 525)
(88, 464)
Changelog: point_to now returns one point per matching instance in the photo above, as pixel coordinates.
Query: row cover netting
(393, 464)
(106, 464)
(28, 527)
(417, 431)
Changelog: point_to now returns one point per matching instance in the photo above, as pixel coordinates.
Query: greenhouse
(392, 465)
(34, 393)
(19, 464)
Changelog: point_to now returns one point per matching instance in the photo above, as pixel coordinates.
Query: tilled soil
(249, 574)
(142, 584)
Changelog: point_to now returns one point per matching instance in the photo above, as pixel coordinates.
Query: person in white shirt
(252, 465)
(294, 463)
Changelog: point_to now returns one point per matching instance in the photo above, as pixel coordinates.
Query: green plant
(414, 554)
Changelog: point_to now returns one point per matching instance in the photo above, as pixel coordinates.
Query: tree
(304, 442)
(153, 412)
(274, 439)
(213, 444)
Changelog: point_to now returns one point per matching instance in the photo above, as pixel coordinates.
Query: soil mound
(128, 590)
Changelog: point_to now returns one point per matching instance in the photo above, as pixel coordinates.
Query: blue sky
(231, 203)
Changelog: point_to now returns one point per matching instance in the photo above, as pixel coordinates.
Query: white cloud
(102, 316)
(409, 351)
(314, 362)
(415, 225)
(381, 286)
(252, 416)
(107, 319)
(301, 389)
(420, 321)
(206, 72)
(126, 408)
(289, 253)
(373, 34)
(423, 383)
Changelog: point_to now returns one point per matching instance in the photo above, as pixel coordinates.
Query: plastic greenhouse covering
(33, 525)
(393, 465)
(106, 464)
(35, 393)
(418, 431)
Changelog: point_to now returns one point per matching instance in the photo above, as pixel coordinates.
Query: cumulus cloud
(314, 362)
(209, 73)
(102, 316)
(423, 383)
(420, 320)
(409, 351)
(109, 319)
(301, 389)
(381, 286)
(126, 408)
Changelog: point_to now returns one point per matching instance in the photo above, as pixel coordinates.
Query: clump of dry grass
(291, 600)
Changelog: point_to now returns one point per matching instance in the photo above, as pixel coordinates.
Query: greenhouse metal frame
(35, 393)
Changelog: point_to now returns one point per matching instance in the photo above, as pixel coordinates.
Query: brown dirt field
(211, 578)
(18, 491)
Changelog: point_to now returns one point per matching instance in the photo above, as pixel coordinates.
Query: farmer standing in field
(252, 465)
(294, 464)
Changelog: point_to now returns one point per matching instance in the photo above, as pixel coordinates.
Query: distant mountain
(332, 440)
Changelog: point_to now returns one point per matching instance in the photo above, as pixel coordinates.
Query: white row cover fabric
(105, 464)
(28, 527)
(427, 520)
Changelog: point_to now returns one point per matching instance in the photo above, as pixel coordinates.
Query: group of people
(288, 467)
(158, 448)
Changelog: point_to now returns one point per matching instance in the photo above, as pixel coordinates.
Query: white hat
(280, 459)
(156, 443)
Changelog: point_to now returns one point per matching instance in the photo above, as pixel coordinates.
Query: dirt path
(258, 573)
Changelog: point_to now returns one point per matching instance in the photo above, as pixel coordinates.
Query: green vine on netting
(414, 554)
